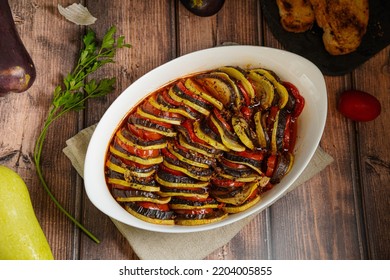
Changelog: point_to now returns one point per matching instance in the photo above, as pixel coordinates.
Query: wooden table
(341, 213)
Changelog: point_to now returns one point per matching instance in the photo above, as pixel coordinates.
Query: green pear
(21, 236)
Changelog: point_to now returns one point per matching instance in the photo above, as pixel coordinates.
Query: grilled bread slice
(344, 23)
(296, 15)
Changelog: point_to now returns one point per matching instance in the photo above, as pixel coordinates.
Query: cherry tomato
(359, 105)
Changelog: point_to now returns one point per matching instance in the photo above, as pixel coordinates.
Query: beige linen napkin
(167, 245)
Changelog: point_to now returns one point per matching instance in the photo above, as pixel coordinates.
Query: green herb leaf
(75, 90)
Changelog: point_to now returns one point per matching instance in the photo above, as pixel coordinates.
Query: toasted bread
(296, 15)
(344, 23)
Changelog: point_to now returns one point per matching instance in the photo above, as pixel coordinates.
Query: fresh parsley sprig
(71, 96)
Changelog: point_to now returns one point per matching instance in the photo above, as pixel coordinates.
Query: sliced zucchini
(153, 216)
(191, 85)
(206, 135)
(242, 129)
(176, 94)
(218, 88)
(232, 209)
(280, 89)
(239, 75)
(264, 89)
(226, 137)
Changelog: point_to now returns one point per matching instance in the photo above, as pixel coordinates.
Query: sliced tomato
(202, 211)
(233, 165)
(169, 100)
(151, 205)
(135, 164)
(255, 155)
(138, 152)
(194, 198)
(246, 112)
(144, 134)
(227, 183)
(247, 99)
(170, 170)
(188, 125)
(166, 153)
(149, 108)
(299, 100)
(272, 116)
(219, 116)
(253, 195)
(271, 164)
(186, 91)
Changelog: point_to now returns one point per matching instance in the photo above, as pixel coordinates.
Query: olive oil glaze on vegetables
(204, 146)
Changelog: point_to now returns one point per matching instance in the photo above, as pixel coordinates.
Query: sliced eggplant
(196, 147)
(283, 166)
(184, 192)
(185, 203)
(201, 174)
(149, 125)
(252, 163)
(149, 215)
(175, 181)
(190, 157)
(117, 166)
(164, 103)
(132, 195)
(189, 219)
(128, 138)
(239, 98)
(218, 88)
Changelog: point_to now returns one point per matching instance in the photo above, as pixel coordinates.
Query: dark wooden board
(309, 44)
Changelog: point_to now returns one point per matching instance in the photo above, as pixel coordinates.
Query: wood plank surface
(341, 213)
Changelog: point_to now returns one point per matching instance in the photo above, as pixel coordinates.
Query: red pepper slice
(144, 134)
(186, 91)
(170, 171)
(247, 99)
(287, 134)
(246, 112)
(271, 164)
(188, 125)
(219, 116)
(138, 152)
(151, 205)
(227, 183)
(194, 211)
(232, 164)
(251, 154)
(299, 100)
